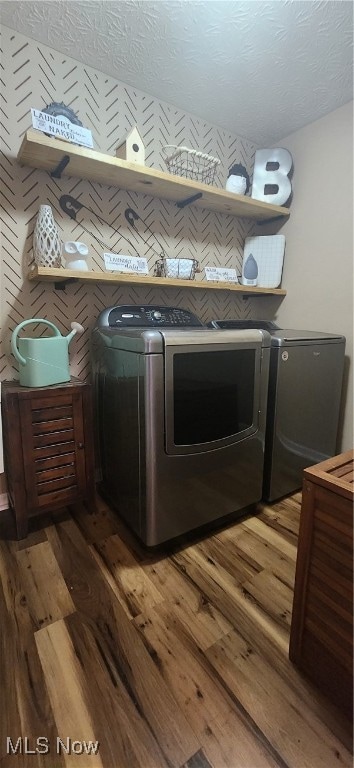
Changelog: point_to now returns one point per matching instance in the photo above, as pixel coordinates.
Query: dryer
(180, 414)
(304, 393)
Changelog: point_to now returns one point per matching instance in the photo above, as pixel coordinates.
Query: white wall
(318, 266)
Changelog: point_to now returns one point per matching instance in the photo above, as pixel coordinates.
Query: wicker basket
(190, 164)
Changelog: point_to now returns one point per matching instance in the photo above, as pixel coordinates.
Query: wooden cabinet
(321, 639)
(48, 447)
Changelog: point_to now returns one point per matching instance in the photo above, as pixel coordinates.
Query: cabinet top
(14, 387)
(336, 474)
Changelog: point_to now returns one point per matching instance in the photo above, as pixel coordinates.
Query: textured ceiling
(258, 69)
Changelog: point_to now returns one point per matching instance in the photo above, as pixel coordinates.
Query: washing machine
(180, 414)
(305, 384)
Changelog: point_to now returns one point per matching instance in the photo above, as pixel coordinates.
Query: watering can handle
(14, 347)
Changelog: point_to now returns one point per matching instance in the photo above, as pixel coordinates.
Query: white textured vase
(46, 239)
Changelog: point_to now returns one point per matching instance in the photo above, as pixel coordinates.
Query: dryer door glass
(214, 398)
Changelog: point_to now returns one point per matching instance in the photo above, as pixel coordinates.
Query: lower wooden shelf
(63, 276)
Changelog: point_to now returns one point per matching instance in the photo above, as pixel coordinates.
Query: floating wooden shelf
(58, 276)
(60, 157)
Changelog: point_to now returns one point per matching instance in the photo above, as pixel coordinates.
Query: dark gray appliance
(180, 415)
(305, 383)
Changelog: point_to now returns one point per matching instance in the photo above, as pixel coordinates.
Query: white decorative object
(268, 252)
(132, 148)
(275, 178)
(238, 180)
(236, 184)
(46, 240)
(75, 255)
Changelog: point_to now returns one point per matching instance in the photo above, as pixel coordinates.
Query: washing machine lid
(281, 336)
(204, 336)
(264, 325)
(154, 341)
(289, 336)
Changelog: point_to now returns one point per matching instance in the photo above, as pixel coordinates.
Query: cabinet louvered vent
(54, 429)
(54, 450)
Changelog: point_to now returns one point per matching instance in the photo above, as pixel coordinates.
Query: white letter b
(276, 178)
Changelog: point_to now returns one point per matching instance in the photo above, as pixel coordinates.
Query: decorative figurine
(132, 148)
(238, 180)
(75, 255)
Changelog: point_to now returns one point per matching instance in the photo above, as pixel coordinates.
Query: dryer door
(212, 394)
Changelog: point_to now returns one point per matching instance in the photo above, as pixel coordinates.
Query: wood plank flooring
(175, 659)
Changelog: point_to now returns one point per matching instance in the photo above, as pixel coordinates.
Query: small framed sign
(60, 127)
(221, 274)
(118, 263)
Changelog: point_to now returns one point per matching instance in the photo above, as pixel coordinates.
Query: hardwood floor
(176, 659)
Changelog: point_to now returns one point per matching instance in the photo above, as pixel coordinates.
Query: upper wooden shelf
(40, 151)
(57, 276)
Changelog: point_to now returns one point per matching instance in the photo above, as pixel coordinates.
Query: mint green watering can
(43, 361)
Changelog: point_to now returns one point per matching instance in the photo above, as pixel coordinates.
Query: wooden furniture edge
(322, 474)
(302, 572)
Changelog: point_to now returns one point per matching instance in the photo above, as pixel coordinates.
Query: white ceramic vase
(46, 239)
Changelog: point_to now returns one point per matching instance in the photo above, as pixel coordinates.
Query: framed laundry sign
(118, 263)
(221, 274)
(60, 127)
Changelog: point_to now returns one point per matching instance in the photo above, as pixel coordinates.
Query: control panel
(148, 316)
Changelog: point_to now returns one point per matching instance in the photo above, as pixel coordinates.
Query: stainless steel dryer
(305, 383)
(180, 413)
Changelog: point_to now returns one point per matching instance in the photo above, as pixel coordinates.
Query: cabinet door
(53, 449)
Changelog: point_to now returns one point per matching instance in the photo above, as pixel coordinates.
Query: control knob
(156, 315)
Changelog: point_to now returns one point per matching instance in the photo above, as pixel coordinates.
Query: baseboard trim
(4, 501)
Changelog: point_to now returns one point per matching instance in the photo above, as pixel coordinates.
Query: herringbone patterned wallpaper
(33, 75)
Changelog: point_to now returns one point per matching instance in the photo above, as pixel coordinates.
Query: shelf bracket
(56, 174)
(60, 285)
(189, 200)
(270, 221)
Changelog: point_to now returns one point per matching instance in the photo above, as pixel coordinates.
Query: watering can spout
(76, 328)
